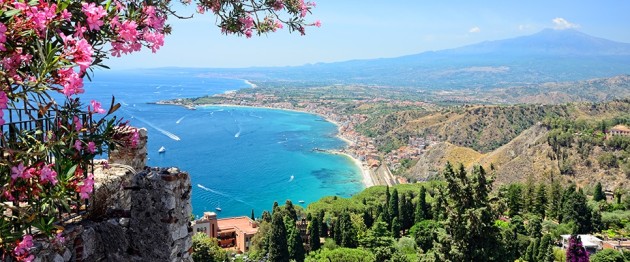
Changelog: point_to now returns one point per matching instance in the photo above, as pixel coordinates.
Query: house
(591, 243)
(232, 233)
(619, 130)
(617, 244)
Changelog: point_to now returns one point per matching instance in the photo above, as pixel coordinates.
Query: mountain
(547, 56)
(548, 42)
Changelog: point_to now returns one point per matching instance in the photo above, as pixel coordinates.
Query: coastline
(362, 165)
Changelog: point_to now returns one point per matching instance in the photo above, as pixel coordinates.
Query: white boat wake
(291, 179)
(222, 194)
(164, 132)
(180, 120)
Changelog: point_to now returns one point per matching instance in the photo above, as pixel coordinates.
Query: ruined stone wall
(137, 214)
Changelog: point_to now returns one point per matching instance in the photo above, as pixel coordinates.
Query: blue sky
(353, 29)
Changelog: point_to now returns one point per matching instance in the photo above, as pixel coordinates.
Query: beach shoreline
(362, 165)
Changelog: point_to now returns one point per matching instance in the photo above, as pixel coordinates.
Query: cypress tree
(530, 194)
(278, 250)
(323, 226)
(275, 207)
(514, 199)
(266, 217)
(337, 229)
(421, 206)
(598, 193)
(294, 241)
(575, 208)
(288, 206)
(404, 214)
(347, 231)
(549, 257)
(438, 207)
(393, 206)
(540, 205)
(555, 200)
(313, 233)
(368, 220)
(253, 217)
(395, 228)
(545, 242)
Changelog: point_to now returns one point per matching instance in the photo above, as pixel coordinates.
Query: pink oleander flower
(201, 9)
(88, 186)
(96, 107)
(317, 23)
(128, 31)
(22, 249)
(65, 15)
(71, 82)
(153, 19)
(77, 123)
(3, 37)
(94, 15)
(91, 147)
(77, 145)
(48, 175)
(18, 171)
(278, 5)
(78, 50)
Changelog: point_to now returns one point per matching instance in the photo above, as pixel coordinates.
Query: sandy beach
(365, 171)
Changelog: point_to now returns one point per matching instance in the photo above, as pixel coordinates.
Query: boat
(218, 208)
(301, 201)
(162, 150)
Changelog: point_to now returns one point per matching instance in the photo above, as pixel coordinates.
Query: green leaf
(11, 12)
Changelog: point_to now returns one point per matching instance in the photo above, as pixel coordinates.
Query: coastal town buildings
(232, 233)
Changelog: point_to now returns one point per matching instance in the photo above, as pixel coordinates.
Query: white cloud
(561, 24)
(475, 29)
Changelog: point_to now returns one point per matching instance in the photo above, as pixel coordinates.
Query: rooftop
(620, 128)
(244, 224)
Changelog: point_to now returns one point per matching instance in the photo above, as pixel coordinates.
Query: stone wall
(137, 214)
(134, 157)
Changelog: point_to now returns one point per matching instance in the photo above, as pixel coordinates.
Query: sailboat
(162, 150)
(218, 208)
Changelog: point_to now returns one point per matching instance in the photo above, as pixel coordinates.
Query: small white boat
(301, 201)
(218, 209)
(162, 150)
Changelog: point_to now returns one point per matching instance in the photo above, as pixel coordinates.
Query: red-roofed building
(232, 233)
(619, 130)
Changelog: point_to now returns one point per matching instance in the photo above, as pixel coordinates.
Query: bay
(239, 158)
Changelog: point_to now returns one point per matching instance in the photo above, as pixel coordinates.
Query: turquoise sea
(239, 158)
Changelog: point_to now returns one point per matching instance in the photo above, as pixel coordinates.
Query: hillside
(568, 146)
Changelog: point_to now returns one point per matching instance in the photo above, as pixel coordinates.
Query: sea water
(238, 158)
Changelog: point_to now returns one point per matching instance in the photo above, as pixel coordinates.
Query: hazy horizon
(352, 30)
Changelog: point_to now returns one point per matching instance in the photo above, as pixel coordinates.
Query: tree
(323, 227)
(470, 232)
(598, 193)
(514, 199)
(406, 213)
(575, 251)
(367, 217)
(555, 200)
(313, 233)
(439, 207)
(278, 248)
(422, 209)
(540, 203)
(393, 206)
(207, 249)
(48, 48)
(575, 209)
(266, 217)
(252, 216)
(347, 231)
(424, 232)
(607, 255)
(295, 245)
(290, 210)
(529, 194)
(275, 207)
(543, 247)
(395, 228)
